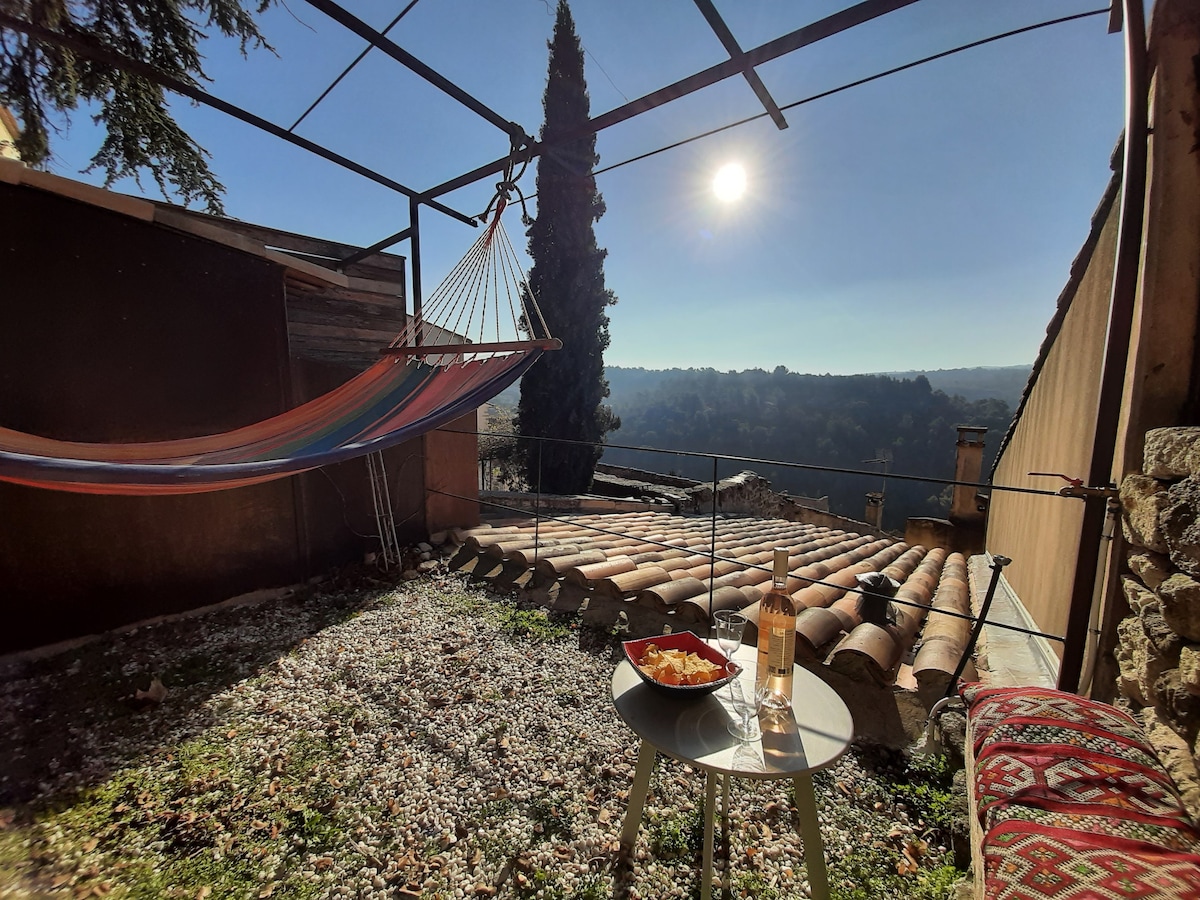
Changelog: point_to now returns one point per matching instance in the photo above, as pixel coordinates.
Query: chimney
(968, 466)
(874, 514)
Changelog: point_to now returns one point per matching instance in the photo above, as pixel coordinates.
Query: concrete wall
(1053, 433)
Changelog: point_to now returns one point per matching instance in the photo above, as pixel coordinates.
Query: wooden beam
(451, 349)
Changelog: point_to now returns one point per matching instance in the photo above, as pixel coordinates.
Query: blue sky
(927, 220)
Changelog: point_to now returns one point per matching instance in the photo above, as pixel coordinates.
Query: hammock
(415, 387)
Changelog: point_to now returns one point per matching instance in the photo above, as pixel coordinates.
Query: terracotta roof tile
(655, 570)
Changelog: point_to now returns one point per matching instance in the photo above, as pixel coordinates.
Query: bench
(1068, 801)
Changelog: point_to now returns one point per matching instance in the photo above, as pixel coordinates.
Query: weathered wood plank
(391, 322)
(377, 336)
(287, 240)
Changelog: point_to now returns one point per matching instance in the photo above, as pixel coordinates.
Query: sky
(926, 220)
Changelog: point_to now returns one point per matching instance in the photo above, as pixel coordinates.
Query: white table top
(695, 730)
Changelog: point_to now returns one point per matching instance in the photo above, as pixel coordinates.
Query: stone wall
(1158, 652)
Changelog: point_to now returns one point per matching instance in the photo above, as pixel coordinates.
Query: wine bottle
(776, 639)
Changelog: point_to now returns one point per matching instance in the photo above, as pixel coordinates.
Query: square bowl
(689, 643)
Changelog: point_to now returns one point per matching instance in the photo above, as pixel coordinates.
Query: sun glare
(730, 182)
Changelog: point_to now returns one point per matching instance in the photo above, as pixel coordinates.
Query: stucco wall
(1054, 434)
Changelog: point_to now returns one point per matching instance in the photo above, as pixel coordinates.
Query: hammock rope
(438, 368)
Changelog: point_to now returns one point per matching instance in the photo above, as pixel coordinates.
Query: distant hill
(824, 422)
(981, 383)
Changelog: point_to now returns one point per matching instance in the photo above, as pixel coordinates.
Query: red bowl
(689, 643)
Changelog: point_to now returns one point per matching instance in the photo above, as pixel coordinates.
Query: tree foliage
(817, 420)
(44, 82)
(562, 396)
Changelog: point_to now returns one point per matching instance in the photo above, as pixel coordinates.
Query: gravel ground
(379, 738)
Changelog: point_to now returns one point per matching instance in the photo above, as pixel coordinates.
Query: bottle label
(781, 651)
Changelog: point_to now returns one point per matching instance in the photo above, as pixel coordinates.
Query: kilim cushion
(1027, 861)
(1072, 802)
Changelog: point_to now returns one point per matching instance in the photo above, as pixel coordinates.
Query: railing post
(712, 550)
(998, 563)
(537, 503)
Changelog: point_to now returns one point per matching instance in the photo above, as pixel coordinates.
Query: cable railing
(544, 512)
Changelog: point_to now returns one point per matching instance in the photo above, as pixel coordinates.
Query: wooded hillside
(818, 420)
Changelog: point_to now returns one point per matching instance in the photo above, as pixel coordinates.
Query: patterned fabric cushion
(1073, 802)
(990, 707)
(1029, 861)
(1075, 781)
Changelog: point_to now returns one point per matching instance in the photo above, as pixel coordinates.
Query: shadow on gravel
(75, 716)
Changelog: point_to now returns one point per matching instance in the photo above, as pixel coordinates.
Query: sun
(730, 182)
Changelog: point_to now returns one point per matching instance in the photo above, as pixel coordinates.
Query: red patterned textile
(1027, 861)
(993, 706)
(1073, 803)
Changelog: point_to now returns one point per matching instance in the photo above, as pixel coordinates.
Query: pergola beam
(406, 59)
(801, 37)
(729, 42)
(85, 48)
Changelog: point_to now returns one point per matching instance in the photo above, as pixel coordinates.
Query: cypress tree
(562, 396)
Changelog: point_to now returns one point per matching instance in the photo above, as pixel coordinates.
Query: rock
(1179, 526)
(1175, 705)
(1172, 453)
(1137, 595)
(424, 547)
(1180, 599)
(1142, 499)
(1189, 668)
(1146, 648)
(1131, 652)
(1162, 636)
(1176, 757)
(1152, 568)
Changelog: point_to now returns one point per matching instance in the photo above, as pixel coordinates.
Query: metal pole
(712, 547)
(537, 509)
(802, 37)
(998, 563)
(1116, 352)
(136, 67)
(414, 213)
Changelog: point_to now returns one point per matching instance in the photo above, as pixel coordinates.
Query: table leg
(725, 802)
(710, 814)
(637, 796)
(810, 831)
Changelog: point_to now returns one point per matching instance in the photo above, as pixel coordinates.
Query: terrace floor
(381, 737)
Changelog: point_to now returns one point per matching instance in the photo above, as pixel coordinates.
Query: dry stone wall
(1159, 642)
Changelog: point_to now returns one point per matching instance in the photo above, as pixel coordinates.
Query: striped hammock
(415, 387)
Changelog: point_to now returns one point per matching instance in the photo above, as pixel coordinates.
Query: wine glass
(730, 626)
(745, 729)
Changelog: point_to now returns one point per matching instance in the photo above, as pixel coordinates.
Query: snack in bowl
(680, 664)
